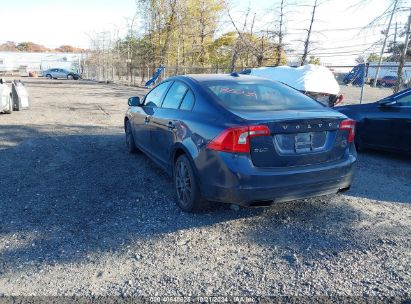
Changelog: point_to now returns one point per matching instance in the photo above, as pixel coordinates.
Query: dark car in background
(242, 140)
(385, 124)
(387, 81)
(60, 73)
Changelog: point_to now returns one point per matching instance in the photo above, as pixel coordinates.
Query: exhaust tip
(342, 190)
(261, 204)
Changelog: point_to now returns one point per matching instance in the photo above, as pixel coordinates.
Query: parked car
(384, 124)
(241, 139)
(60, 73)
(387, 81)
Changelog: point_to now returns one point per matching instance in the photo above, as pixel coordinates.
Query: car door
(166, 121)
(54, 73)
(141, 116)
(378, 127)
(385, 124)
(62, 73)
(403, 123)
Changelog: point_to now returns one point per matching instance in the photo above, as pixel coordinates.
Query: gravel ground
(80, 216)
(352, 94)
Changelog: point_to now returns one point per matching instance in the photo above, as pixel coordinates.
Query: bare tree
(307, 40)
(239, 41)
(169, 27)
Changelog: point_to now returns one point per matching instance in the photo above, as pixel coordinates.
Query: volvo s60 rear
(242, 140)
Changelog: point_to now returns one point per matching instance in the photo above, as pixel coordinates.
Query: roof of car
(232, 76)
(399, 94)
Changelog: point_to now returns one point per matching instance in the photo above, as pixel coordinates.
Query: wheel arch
(126, 119)
(178, 150)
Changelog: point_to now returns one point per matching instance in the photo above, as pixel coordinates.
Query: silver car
(60, 73)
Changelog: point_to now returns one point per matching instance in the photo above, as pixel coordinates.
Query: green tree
(314, 60)
(373, 58)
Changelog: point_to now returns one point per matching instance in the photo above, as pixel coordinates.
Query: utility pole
(384, 44)
(280, 35)
(307, 41)
(365, 75)
(403, 55)
(395, 35)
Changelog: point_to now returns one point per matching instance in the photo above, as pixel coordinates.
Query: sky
(337, 38)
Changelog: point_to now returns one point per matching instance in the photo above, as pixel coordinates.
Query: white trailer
(388, 69)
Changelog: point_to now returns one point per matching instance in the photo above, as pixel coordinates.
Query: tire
(48, 76)
(70, 77)
(188, 196)
(10, 110)
(131, 145)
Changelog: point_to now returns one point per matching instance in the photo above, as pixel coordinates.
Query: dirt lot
(80, 216)
(352, 94)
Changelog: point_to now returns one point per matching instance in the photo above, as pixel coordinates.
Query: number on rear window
(259, 96)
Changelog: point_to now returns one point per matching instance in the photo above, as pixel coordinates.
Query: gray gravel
(80, 216)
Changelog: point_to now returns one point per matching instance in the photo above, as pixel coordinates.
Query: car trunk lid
(297, 138)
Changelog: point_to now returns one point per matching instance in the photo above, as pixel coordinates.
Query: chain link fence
(358, 85)
(355, 90)
(139, 75)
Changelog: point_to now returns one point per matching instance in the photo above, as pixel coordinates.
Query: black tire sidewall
(196, 203)
(131, 145)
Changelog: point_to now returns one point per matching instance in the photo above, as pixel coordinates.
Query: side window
(153, 99)
(405, 101)
(188, 101)
(175, 95)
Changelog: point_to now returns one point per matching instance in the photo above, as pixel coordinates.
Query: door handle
(171, 125)
(147, 119)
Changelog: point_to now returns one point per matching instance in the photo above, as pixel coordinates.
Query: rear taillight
(237, 139)
(348, 125)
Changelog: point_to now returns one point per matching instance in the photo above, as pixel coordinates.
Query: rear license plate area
(303, 142)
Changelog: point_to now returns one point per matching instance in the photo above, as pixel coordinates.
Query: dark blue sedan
(385, 124)
(242, 140)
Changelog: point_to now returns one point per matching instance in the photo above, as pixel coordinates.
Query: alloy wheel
(183, 184)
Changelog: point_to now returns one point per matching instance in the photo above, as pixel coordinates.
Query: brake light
(237, 139)
(348, 125)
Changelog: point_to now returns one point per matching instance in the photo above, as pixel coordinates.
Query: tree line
(195, 36)
(184, 34)
(27, 46)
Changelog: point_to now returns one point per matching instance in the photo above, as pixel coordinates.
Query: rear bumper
(237, 181)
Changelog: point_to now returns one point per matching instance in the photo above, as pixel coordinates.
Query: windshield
(259, 96)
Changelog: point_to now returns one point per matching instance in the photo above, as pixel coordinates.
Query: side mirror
(388, 103)
(134, 101)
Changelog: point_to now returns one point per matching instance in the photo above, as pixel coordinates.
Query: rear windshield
(259, 96)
